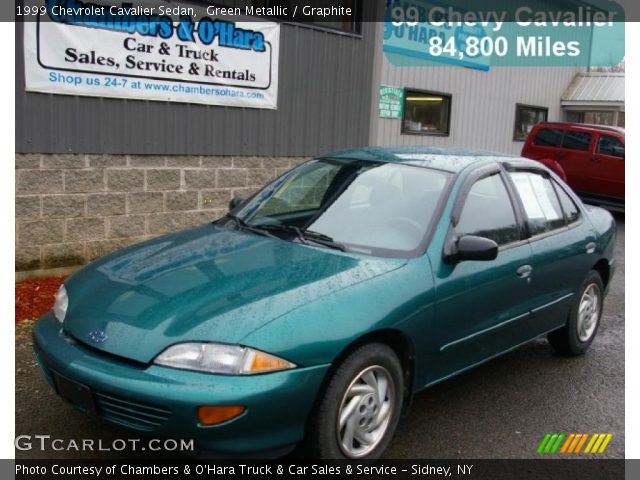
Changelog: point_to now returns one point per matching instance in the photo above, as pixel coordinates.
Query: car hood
(210, 283)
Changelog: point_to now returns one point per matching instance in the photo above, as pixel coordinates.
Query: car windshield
(369, 207)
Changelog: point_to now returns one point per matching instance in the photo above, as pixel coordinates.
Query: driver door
(483, 306)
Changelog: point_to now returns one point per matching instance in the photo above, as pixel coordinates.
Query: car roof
(582, 126)
(448, 159)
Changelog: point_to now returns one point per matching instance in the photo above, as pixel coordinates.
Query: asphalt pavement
(501, 409)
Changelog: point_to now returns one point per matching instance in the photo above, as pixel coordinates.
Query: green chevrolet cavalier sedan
(314, 310)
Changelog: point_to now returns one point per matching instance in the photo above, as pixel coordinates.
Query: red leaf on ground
(35, 297)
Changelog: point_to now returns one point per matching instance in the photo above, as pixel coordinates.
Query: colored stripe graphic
(572, 443)
(567, 442)
(607, 439)
(584, 439)
(543, 443)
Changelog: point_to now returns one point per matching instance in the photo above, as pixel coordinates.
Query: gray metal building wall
(325, 82)
(483, 104)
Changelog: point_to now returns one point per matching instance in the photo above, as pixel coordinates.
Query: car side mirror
(471, 247)
(618, 152)
(235, 202)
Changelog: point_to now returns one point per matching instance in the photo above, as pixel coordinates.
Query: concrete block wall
(71, 209)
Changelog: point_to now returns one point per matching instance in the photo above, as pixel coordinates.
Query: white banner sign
(153, 57)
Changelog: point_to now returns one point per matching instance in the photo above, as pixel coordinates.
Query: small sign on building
(391, 101)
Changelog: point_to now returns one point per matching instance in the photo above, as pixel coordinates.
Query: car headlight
(61, 304)
(220, 358)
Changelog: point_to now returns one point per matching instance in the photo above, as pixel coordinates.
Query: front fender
(317, 333)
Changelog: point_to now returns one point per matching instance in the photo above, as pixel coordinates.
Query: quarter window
(488, 212)
(569, 207)
(541, 205)
(426, 113)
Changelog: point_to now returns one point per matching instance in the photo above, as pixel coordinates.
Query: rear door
(607, 166)
(561, 247)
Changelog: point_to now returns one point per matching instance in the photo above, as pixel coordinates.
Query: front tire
(359, 410)
(581, 328)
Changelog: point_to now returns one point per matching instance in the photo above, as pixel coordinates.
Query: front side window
(426, 113)
(488, 212)
(526, 117)
(540, 202)
(370, 207)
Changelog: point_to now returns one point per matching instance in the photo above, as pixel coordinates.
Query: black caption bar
(296, 469)
(339, 14)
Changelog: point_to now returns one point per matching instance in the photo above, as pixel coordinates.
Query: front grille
(130, 414)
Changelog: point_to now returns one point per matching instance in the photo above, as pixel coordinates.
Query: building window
(615, 119)
(426, 113)
(526, 117)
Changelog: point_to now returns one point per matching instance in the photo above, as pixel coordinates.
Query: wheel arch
(604, 270)
(395, 339)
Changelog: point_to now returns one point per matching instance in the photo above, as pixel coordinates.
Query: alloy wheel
(365, 412)
(588, 312)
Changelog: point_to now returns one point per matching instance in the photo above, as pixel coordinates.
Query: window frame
(520, 106)
(409, 91)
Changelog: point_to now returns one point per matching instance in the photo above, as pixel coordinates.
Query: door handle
(524, 271)
(590, 248)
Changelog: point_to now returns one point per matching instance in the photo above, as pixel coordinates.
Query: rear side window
(488, 213)
(549, 137)
(576, 140)
(540, 202)
(570, 208)
(607, 144)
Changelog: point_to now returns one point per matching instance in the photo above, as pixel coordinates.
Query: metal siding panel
(483, 103)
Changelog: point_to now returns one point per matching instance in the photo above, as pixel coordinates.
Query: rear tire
(358, 412)
(584, 319)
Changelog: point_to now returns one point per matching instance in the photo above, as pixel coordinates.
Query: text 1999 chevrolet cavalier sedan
(316, 308)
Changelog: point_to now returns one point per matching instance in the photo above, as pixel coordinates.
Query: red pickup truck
(590, 158)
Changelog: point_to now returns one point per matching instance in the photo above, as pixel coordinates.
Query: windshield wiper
(307, 236)
(242, 225)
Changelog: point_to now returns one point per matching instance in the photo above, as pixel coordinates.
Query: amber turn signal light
(214, 414)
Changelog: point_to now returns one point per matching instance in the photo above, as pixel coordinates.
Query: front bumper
(164, 401)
